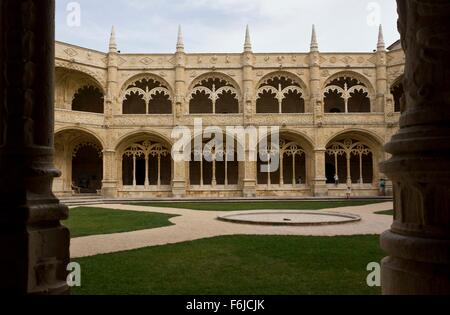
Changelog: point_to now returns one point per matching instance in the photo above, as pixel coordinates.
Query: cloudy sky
(219, 25)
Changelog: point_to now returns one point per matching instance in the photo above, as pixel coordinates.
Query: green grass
(237, 265)
(388, 212)
(259, 205)
(85, 221)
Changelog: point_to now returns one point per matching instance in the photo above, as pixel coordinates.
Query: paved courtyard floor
(192, 225)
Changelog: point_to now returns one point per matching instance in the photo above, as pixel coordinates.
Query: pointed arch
(146, 94)
(216, 166)
(281, 92)
(214, 93)
(81, 130)
(88, 99)
(96, 79)
(347, 92)
(141, 135)
(145, 75)
(79, 156)
(352, 157)
(68, 84)
(351, 74)
(296, 157)
(215, 75)
(144, 160)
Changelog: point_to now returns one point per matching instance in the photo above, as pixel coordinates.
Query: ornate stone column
(381, 67)
(320, 180)
(179, 182)
(250, 174)
(110, 180)
(316, 97)
(67, 168)
(248, 167)
(35, 247)
(112, 107)
(419, 241)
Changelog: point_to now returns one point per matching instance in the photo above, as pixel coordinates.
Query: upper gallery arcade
(115, 114)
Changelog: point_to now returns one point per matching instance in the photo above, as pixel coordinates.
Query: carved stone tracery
(146, 149)
(84, 144)
(214, 87)
(347, 148)
(149, 90)
(281, 87)
(345, 91)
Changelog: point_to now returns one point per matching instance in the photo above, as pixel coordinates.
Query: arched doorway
(295, 168)
(87, 168)
(146, 163)
(212, 166)
(145, 166)
(352, 161)
(79, 157)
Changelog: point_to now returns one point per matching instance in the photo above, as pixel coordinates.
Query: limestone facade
(114, 116)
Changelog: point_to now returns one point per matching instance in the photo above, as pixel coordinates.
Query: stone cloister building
(115, 114)
(36, 246)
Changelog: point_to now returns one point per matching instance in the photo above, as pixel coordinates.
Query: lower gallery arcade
(141, 166)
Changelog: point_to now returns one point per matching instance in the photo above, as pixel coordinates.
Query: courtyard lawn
(237, 265)
(85, 221)
(260, 205)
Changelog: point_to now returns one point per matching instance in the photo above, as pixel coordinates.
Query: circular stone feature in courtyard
(291, 218)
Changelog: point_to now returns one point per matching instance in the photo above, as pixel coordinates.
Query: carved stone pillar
(381, 70)
(35, 247)
(112, 89)
(181, 108)
(67, 168)
(248, 103)
(179, 183)
(250, 173)
(316, 102)
(110, 180)
(419, 241)
(320, 179)
(248, 167)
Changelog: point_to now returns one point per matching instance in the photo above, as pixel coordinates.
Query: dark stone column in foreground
(34, 246)
(418, 243)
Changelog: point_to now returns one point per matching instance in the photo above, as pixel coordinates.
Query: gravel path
(194, 224)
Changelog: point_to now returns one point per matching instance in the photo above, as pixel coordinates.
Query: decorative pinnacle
(314, 44)
(180, 42)
(248, 42)
(112, 41)
(381, 45)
